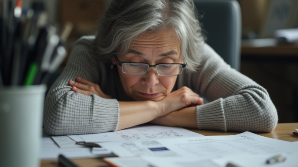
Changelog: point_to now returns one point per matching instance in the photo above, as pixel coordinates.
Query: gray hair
(126, 19)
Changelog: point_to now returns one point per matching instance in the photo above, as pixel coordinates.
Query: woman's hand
(86, 87)
(177, 100)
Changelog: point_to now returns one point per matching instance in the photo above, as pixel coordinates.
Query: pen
(65, 161)
(39, 50)
(31, 74)
(87, 144)
(275, 159)
(7, 57)
(231, 165)
(55, 63)
(44, 60)
(66, 32)
(35, 23)
(3, 38)
(17, 44)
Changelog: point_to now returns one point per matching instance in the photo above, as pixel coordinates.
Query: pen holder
(21, 110)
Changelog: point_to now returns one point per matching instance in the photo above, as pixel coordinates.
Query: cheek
(168, 83)
(128, 82)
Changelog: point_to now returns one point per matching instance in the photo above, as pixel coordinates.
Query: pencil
(31, 74)
(65, 161)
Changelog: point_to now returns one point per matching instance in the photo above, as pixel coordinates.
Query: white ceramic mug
(21, 110)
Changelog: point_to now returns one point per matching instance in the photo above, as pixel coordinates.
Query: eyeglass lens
(141, 69)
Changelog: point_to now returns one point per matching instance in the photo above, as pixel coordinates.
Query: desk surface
(283, 131)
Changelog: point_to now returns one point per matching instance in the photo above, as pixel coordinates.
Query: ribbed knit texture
(236, 103)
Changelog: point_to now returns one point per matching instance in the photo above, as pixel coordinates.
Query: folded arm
(236, 102)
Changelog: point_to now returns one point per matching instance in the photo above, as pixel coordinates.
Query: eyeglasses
(138, 69)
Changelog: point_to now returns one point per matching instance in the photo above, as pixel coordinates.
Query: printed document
(137, 133)
(207, 146)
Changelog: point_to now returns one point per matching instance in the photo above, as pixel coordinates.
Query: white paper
(65, 142)
(207, 146)
(49, 150)
(181, 162)
(76, 138)
(101, 151)
(243, 160)
(138, 133)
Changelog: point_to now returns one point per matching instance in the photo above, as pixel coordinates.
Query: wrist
(158, 108)
(154, 108)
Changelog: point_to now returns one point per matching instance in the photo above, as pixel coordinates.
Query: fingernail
(75, 88)
(72, 82)
(79, 78)
(201, 98)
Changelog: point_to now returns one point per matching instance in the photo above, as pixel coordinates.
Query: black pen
(230, 164)
(35, 22)
(66, 162)
(17, 46)
(275, 159)
(7, 40)
(3, 38)
(42, 44)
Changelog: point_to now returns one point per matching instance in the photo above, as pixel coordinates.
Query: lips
(152, 95)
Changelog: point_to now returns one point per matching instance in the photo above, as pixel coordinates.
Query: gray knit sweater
(236, 103)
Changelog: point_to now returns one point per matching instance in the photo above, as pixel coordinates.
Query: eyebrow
(172, 52)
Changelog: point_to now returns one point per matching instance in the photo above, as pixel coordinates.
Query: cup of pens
(31, 50)
(21, 125)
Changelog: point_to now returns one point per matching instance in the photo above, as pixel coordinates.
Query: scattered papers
(137, 133)
(207, 146)
(49, 150)
(65, 142)
(161, 146)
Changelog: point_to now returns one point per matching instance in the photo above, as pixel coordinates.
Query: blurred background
(270, 62)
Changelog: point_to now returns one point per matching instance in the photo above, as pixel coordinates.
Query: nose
(151, 78)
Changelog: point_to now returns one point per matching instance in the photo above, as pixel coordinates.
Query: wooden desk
(284, 52)
(278, 50)
(283, 131)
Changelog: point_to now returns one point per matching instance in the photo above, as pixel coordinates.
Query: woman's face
(151, 48)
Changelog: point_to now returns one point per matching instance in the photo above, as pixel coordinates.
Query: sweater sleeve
(67, 112)
(236, 102)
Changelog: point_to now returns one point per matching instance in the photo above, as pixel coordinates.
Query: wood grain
(279, 50)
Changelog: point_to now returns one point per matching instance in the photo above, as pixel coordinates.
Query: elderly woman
(149, 63)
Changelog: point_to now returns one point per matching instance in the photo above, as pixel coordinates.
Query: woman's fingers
(86, 87)
(85, 92)
(79, 85)
(179, 99)
(96, 87)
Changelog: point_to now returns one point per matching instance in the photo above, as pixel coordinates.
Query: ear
(113, 61)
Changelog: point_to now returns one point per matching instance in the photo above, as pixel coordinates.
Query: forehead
(161, 41)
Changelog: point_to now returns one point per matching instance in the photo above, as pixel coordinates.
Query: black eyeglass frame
(120, 64)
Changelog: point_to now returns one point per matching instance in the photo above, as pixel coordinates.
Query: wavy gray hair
(126, 19)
